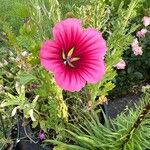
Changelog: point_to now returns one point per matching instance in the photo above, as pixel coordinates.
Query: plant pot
(27, 145)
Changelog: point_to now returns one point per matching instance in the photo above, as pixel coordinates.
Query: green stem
(130, 10)
(3, 127)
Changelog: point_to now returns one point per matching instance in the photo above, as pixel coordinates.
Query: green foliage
(118, 41)
(44, 15)
(137, 70)
(24, 27)
(13, 12)
(25, 78)
(21, 103)
(127, 132)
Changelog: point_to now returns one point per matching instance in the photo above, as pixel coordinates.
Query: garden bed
(74, 75)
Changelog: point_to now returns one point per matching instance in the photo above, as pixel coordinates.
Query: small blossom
(25, 53)
(121, 64)
(141, 33)
(137, 50)
(41, 136)
(146, 21)
(135, 42)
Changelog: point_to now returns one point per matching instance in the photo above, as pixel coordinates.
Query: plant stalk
(3, 127)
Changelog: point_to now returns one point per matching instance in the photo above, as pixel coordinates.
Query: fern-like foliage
(116, 26)
(127, 132)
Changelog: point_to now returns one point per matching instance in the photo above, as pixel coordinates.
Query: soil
(116, 106)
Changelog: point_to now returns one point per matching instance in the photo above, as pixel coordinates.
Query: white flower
(25, 53)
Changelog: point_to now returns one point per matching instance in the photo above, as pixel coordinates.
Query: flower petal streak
(91, 42)
(92, 72)
(67, 33)
(50, 55)
(70, 80)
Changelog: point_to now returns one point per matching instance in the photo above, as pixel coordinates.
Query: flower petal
(92, 71)
(92, 43)
(67, 33)
(50, 55)
(70, 80)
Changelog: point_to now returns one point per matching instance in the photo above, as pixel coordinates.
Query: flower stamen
(70, 52)
(70, 64)
(68, 60)
(63, 55)
(74, 59)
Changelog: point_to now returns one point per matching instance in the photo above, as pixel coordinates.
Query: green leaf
(43, 125)
(34, 124)
(138, 75)
(25, 78)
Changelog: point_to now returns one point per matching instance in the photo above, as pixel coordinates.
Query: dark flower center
(69, 59)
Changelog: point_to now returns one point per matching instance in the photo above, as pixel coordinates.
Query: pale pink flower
(75, 55)
(141, 33)
(135, 42)
(146, 21)
(121, 64)
(137, 50)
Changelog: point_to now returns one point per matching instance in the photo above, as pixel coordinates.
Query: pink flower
(135, 42)
(75, 55)
(137, 50)
(41, 135)
(146, 21)
(121, 64)
(141, 33)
